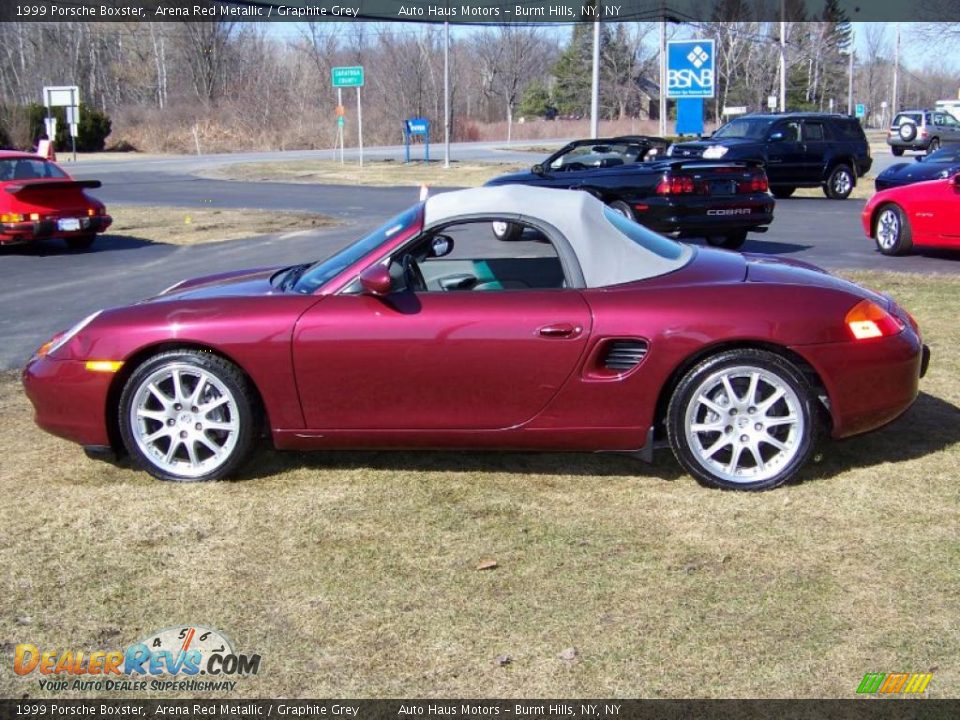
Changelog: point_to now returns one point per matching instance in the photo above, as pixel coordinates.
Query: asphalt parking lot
(51, 287)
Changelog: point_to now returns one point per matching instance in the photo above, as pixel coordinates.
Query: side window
(790, 130)
(950, 120)
(813, 131)
(478, 256)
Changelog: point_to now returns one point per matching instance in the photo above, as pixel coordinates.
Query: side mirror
(376, 281)
(537, 169)
(775, 137)
(919, 158)
(956, 181)
(440, 246)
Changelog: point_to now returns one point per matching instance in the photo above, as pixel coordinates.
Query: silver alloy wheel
(888, 228)
(500, 228)
(744, 424)
(185, 420)
(842, 183)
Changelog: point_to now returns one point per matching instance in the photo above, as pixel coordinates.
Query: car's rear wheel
(897, 151)
(782, 191)
(506, 231)
(731, 241)
(188, 416)
(743, 420)
(933, 146)
(621, 207)
(80, 242)
(892, 231)
(840, 183)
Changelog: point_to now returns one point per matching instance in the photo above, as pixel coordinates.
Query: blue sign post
(861, 110)
(691, 69)
(413, 127)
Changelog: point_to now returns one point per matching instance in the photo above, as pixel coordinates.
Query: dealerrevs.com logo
(184, 658)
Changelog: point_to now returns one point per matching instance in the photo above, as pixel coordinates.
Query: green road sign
(340, 121)
(347, 76)
(861, 110)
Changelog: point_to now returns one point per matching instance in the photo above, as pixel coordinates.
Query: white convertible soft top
(606, 254)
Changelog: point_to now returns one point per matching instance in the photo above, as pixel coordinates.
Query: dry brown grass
(354, 574)
(190, 226)
(374, 172)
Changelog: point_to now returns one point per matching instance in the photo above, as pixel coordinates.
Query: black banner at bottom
(867, 709)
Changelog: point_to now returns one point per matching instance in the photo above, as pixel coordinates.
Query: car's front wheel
(840, 183)
(743, 420)
(892, 231)
(506, 231)
(188, 416)
(933, 146)
(623, 208)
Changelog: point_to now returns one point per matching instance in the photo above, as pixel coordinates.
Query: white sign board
(60, 95)
(735, 110)
(772, 102)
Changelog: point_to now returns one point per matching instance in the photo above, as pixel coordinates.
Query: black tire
(799, 436)
(933, 146)
(840, 183)
(782, 191)
(897, 151)
(731, 241)
(621, 207)
(80, 242)
(507, 231)
(242, 402)
(891, 230)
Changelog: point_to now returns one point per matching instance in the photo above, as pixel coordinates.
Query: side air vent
(623, 355)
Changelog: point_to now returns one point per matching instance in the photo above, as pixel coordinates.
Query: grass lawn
(374, 172)
(356, 574)
(189, 226)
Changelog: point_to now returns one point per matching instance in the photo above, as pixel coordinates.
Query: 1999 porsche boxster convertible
(595, 334)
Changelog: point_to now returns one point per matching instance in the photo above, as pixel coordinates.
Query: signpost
(347, 77)
(861, 110)
(67, 96)
(413, 127)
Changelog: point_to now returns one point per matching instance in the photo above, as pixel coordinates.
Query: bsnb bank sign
(690, 68)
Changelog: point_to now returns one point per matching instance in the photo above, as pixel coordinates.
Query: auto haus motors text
(94, 670)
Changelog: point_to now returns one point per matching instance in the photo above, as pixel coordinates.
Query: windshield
(325, 270)
(745, 128)
(944, 155)
(28, 169)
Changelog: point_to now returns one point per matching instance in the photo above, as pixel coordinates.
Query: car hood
(238, 283)
(917, 171)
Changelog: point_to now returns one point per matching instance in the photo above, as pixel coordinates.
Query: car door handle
(560, 330)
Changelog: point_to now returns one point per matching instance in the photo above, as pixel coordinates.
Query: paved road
(45, 288)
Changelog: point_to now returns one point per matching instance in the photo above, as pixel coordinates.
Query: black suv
(797, 149)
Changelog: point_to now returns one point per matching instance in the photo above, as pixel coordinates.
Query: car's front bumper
(30, 230)
(69, 400)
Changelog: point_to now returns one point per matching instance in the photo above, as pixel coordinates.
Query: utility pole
(850, 86)
(896, 76)
(446, 94)
(663, 72)
(783, 56)
(595, 89)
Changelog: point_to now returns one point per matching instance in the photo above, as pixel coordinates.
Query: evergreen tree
(571, 92)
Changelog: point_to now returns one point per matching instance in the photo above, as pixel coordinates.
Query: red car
(592, 333)
(923, 214)
(39, 200)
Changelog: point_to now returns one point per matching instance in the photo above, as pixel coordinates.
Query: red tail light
(868, 320)
(676, 185)
(754, 184)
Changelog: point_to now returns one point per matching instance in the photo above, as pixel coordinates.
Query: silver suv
(922, 130)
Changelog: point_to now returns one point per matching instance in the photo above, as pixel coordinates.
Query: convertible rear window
(644, 237)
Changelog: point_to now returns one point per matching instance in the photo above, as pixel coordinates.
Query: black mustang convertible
(719, 201)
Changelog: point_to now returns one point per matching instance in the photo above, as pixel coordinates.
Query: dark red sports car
(592, 334)
(922, 214)
(39, 200)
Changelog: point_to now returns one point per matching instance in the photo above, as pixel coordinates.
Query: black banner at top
(472, 11)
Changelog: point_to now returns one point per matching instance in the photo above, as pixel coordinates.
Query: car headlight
(943, 175)
(58, 341)
(714, 152)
